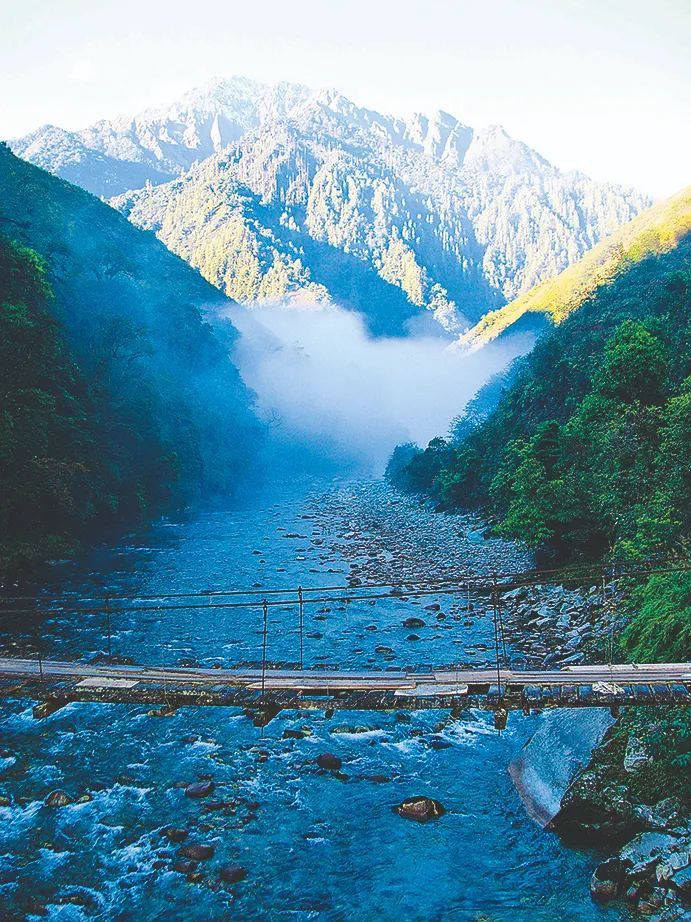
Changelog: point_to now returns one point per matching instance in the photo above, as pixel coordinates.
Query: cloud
(323, 382)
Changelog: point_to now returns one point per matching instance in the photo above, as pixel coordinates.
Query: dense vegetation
(656, 230)
(117, 399)
(48, 466)
(587, 452)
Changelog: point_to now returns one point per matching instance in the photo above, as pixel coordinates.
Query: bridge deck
(57, 683)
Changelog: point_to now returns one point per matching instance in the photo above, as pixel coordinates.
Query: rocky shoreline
(389, 537)
(631, 801)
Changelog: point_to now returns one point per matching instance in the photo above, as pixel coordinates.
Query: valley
(415, 403)
(302, 835)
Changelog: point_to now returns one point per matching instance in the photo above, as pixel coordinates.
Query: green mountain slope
(588, 415)
(586, 454)
(656, 230)
(118, 399)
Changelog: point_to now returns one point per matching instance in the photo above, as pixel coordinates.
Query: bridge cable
(612, 617)
(108, 628)
(447, 589)
(502, 634)
(561, 574)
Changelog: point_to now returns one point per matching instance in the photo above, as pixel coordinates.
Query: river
(315, 845)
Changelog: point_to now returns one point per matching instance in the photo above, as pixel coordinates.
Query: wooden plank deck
(61, 682)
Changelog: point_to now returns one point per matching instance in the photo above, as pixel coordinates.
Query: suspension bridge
(265, 688)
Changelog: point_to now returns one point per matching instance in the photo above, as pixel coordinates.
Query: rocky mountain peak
(303, 193)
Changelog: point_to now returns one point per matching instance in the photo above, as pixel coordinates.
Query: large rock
(196, 852)
(597, 812)
(420, 809)
(681, 880)
(329, 761)
(554, 755)
(609, 879)
(646, 851)
(200, 789)
(232, 873)
(174, 834)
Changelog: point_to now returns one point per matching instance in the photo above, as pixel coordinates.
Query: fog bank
(323, 382)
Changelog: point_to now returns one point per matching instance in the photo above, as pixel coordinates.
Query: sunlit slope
(656, 230)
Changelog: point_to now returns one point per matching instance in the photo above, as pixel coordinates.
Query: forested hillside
(587, 452)
(281, 192)
(656, 230)
(118, 398)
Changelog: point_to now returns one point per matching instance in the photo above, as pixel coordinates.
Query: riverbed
(315, 844)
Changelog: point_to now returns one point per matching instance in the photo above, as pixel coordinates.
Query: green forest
(586, 453)
(119, 400)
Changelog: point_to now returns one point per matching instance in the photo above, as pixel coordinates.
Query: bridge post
(108, 629)
(495, 607)
(265, 610)
(301, 617)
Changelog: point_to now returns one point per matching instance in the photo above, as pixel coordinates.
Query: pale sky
(603, 86)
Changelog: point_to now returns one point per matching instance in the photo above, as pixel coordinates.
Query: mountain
(283, 192)
(656, 230)
(125, 153)
(119, 399)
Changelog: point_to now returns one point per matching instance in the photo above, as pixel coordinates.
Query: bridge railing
(281, 621)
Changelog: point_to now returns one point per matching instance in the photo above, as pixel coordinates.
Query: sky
(603, 86)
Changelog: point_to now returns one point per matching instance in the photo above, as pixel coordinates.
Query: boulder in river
(420, 809)
(184, 867)
(328, 761)
(58, 799)
(413, 622)
(199, 789)
(174, 834)
(607, 882)
(232, 873)
(438, 743)
(550, 760)
(196, 851)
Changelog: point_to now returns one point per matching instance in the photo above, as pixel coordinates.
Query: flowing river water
(315, 845)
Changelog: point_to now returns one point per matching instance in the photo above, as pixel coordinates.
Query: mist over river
(315, 845)
(323, 382)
